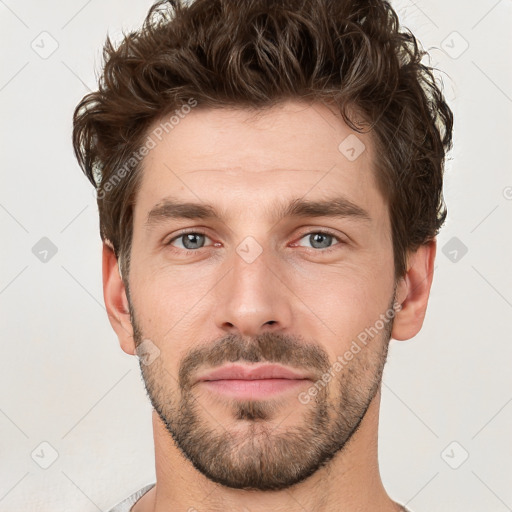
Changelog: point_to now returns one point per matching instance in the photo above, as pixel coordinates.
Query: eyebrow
(337, 207)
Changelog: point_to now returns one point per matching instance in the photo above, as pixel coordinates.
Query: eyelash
(315, 232)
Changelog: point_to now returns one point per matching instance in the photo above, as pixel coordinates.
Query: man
(269, 183)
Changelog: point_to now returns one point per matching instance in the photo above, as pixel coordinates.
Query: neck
(349, 482)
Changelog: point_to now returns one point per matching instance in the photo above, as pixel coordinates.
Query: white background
(66, 382)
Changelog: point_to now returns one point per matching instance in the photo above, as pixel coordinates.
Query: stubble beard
(258, 454)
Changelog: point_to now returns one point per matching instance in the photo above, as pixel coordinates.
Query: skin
(243, 165)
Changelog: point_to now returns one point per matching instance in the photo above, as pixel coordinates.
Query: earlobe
(116, 302)
(413, 292)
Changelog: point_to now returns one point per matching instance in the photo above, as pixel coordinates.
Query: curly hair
(254, 54)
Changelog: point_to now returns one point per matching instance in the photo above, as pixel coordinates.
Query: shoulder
(127, 504)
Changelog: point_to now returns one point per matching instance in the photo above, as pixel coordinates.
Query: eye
(320, 240)
(194, 240)
(189, 241)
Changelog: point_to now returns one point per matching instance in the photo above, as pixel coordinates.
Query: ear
(116, 302)
(413, 291)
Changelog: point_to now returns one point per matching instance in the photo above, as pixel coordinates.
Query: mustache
(266, 347)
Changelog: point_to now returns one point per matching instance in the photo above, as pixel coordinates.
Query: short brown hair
(254, 54)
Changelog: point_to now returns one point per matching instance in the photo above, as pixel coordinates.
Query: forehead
(242, 160)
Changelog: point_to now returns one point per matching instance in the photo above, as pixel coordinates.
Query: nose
(251, 298)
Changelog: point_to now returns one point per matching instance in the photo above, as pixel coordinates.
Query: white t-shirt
(127, 504)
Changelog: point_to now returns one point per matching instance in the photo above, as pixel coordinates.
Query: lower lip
(253, 389)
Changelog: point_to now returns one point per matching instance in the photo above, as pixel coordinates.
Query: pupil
(317, 240)
(189, 240)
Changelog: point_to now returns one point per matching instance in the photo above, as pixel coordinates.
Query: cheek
(343, 302)
(169, 309)
(169, 291)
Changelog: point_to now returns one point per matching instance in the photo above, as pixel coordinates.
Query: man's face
(251, 288)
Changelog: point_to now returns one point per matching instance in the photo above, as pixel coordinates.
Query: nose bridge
(251, 298)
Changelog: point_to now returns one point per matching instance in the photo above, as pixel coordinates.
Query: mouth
(253, 381)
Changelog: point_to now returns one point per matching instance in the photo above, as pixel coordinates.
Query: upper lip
(252, 372)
